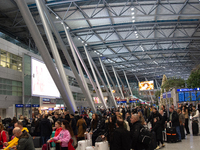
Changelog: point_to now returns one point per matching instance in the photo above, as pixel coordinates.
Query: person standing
(3, 138)
(186, 114)
(174, 119)
(153, 115)
(64, 136)
(135, 131)
(25, 140)
(195, 116)
(81, 125)
(158, 130)
(121, 137)
(182, 123)
(45, 128)
(58, 130)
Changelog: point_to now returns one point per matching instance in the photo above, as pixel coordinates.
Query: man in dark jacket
(174, 120)
(121, 137)
(153, 115)
(46, 129)
(25, 140)
(135, 131)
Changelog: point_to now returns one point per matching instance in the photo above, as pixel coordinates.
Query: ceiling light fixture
(85, 44)
(67, 27)
(78, 38)
(133, 20)
(100, 55)
(61, 22)
(132, 9)
(95, 51)
(132, 13)
(82, 41)
(57, 17)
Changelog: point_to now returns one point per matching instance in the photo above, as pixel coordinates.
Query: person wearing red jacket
(58, 129)
(3, 137)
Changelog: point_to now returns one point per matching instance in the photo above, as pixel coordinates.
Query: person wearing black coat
(46, 129)
(153, 115)
(174, 120)
(158, 130)
(135, 131)
(121, 137)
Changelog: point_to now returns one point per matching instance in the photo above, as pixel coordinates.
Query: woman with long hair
(95, 128)
(186, 114)
(58, 130)
(64, 136)
(141, 118)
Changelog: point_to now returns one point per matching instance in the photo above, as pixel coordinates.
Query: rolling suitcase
(195, 127)
(83, 144)
(101, 145)
(171, 135)
(164, 136)
(89, 148)
(37, 142)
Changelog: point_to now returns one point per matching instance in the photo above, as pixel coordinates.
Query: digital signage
(146, 85)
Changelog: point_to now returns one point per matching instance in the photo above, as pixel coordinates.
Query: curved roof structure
(146, 38)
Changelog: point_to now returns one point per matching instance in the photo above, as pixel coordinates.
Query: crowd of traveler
(121, 127)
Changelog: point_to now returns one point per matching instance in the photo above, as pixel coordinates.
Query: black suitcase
(182, 132)
(37, 142)
(171, 135)
(195, 128)
(153, 143)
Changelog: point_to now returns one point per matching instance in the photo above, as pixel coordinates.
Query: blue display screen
(187, 96)
(198, 95)
(164, 95)
(181, 96)
(193, 95)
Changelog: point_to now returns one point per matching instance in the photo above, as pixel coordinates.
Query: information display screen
(187, 96)
(198, 95)
(181, 96)
(42, 82)
(193, 95)
(146, 85)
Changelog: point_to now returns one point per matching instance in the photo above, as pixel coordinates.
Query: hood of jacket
(24, 135)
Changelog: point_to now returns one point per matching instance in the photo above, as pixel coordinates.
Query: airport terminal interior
(111, 58)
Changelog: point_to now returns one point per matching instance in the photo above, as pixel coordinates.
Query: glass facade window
(10, 87)
(9, 60)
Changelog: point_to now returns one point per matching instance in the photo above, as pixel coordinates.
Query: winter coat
(14, 141)
(73, 125)
(181, 119)
(25, 142)
(64, 136)
(79, 125)
(158, 130)
(57, 133)
(121, 139)
(152, 116)
(175, 119)
(2, 138)
(110, 128)
(135, 131)
(45, 127)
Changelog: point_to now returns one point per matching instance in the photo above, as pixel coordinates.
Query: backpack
(145, 136)
(7, 136)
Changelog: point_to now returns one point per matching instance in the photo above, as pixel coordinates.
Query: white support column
(114, 102)
(128, 83)
(91, 102)
(26, 14)
(95, 77)
(54, 51)
(118, 83)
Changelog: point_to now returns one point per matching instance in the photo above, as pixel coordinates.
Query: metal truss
(163, 45)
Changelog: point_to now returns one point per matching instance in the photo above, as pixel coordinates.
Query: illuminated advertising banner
(42, 82)
(146, 85)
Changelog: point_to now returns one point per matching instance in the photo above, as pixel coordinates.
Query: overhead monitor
(146, 85)
(42, 82)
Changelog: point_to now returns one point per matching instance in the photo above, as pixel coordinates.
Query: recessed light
(78, 38)
(85, 44)
(132, 13)
(133, 20)
(132, 8)
(67, 27)
(82, 41)
(95, 51)
(100, 55)
(133, 17)
(57, 17)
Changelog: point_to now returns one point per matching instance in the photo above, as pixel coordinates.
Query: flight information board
(187, 96)
(181, 96)
(193, 96)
